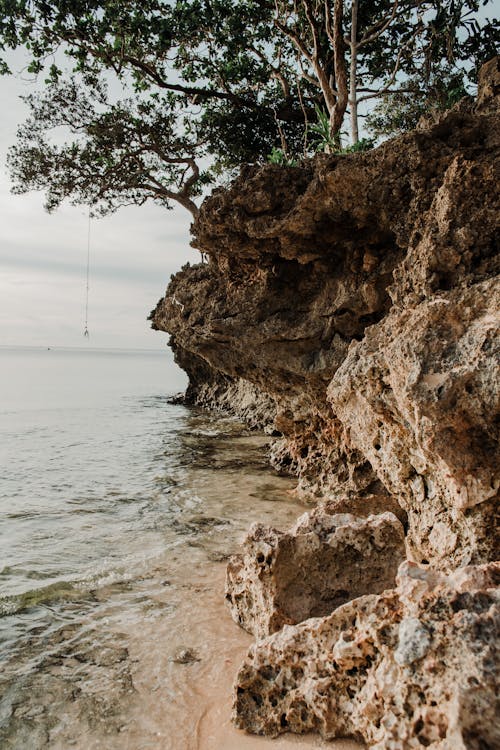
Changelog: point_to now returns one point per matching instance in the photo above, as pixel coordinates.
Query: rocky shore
(350, 308)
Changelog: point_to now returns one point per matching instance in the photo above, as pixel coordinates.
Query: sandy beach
(188, 705)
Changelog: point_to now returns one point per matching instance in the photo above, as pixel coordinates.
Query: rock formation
(350, 307)
(414, 667)
(308, 571)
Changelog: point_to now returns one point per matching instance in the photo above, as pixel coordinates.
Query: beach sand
(191, 704)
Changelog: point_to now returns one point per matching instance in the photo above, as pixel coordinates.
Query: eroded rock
(419, 398)
(414, 667)
(320, 563)
(365, 505)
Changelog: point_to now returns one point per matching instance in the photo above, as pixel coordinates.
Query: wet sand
(170, 687)
(193, 707)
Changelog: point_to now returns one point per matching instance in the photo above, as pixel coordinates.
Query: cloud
(43, 262)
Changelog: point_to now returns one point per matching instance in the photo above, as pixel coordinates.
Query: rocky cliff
(350, 306)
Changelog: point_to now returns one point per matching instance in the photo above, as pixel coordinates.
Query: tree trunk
(338, 113)
(353, 97)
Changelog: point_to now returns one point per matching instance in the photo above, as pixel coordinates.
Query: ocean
(118, 511)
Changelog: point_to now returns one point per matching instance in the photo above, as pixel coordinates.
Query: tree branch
(275, 72)
(307, 76)
(339, 67)
(178, 197)
(377, 29)
(314, 30)
(295, 39)
(149, 70)
(392, 77)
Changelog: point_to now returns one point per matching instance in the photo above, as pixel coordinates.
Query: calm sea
(87, 452)
(117, 512)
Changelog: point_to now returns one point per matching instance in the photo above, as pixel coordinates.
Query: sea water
(118, 511)
(86, 447)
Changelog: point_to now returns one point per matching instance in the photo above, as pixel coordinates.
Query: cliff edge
(350, 306)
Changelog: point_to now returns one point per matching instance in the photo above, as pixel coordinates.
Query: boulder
(411, 668)
(419, 398)
(323, 561)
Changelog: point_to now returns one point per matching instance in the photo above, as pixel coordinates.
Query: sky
(43, 261)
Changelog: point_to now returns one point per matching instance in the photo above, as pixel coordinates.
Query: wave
(61, 591)
(13, 604)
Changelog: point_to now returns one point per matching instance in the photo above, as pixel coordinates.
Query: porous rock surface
(419, 399)
(320, 563)
(350, 307)
(411, 668)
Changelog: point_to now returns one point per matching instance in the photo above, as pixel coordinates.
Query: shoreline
(202, 690)
(148, 661)
(349, 307)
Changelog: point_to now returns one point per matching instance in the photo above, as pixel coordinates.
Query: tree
(131, 151)
(359, 51)
(401, 111)
(454, 48)
(199, 74)
(158, 98)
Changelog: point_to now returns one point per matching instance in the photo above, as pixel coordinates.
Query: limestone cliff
(351, 306)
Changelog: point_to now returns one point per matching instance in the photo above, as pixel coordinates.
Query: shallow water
(117, 513)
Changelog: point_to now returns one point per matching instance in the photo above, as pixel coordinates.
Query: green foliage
(397, 113)
(117, 155)
(364, 144)
(322, 139)
(278, 156)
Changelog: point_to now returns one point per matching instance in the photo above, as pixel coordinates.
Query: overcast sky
(43, 261)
